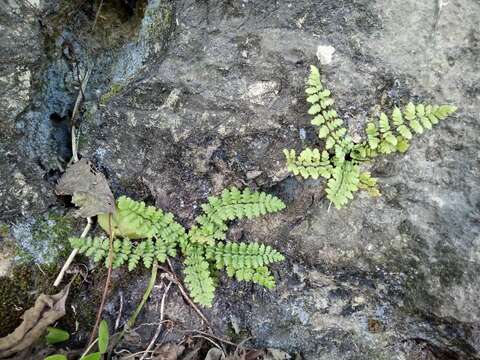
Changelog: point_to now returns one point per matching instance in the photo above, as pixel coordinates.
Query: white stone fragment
(325, 53)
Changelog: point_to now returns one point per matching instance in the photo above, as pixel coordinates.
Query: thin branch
(173, 277)
(107, 282)
(97, 14)
(146, 294)
(72, 255)
(211, 341)
(214, 337)
(159, 328)
(88, 348)
(80, 96)
(74, 252)
(120, 310)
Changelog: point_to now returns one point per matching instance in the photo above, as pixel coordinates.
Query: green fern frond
(342, 185)
(263, 277)
(156, 235)
(232, 204)
(309, 163)
(394, 133)
(245, 262)
(135, 220)
(96, 248)
(124, 251)
(242, 255)
(198, 278)
(339, 161)
(325, 116)
(368, 183)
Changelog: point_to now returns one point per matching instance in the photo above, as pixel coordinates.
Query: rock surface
(188, 97)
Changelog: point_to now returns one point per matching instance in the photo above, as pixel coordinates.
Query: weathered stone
(195, 96)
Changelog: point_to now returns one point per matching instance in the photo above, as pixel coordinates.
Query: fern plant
(144, 234)
(340, 160)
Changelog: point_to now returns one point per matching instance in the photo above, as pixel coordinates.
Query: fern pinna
(144, 234)
(339, 162)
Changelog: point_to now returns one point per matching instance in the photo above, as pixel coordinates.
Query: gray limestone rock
(194, 96)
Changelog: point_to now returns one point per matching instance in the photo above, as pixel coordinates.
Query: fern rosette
(144, 234)
(340, 161)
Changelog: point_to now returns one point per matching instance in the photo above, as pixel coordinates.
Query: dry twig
(74, 252)
(214, 337)
(120, 310)
(133, 318)
(107, 283)
(173, 277)
(72, 255)
(159, 328)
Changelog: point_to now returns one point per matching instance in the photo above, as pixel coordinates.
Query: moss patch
(18, 293)
(114, 90)
(43, 240)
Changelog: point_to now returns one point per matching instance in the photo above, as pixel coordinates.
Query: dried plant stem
(96, 15)
(159, 328)
(173, 277)
(80, 96)
(213, 337)
(146, 295)
(74, 252)
(89, 348)
(72, 255)
(107, 283)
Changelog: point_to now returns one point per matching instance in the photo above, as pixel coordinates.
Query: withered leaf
(46, 310)
(89, 189)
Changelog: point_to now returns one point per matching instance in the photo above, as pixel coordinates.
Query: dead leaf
(168, 351)
(46, 310)
(89, 189)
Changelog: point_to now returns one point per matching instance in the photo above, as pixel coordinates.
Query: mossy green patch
(114, 90)
(4, 231)
(14, 299)
(158, 21)
(18, 292)
(43, 240)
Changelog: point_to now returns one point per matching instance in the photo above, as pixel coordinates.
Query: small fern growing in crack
(340, 160)
(144, 234)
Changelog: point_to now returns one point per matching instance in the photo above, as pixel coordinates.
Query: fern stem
(107, 283)
(146, 295)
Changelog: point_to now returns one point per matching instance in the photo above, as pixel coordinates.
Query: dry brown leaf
(89, 189)
(46, 310)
